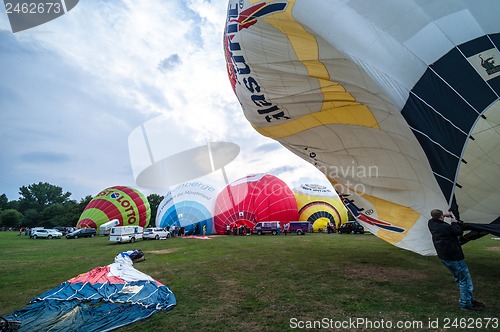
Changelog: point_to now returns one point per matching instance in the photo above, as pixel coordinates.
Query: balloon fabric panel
(255, 198)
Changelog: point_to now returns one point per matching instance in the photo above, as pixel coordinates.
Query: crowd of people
(235, 229)
(176, 230)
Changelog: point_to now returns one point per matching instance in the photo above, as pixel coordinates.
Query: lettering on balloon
(125, 203)
(238, 69)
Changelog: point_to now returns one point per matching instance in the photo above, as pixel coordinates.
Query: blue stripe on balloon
(194, 216)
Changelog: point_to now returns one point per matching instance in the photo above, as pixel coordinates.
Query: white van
(121, 234)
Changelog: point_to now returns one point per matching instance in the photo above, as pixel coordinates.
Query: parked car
(46, 234)
(62, 229)
(32, 230)
(267, 227)
(155, 233)
(81, 232)
(351, 227)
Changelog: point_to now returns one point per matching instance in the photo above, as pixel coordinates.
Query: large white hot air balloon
(395, 101)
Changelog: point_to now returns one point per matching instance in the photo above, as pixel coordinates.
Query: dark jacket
(445, 239)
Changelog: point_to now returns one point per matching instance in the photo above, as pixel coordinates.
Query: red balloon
(252, 199)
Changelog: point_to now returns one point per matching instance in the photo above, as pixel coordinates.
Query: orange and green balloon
(126, 204)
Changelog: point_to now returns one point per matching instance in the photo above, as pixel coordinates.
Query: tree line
(46, 205)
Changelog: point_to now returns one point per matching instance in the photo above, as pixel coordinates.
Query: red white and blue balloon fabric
(102, 299)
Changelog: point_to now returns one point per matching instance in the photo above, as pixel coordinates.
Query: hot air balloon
(189, 205)
(252, 199)
(320, 206)
(396, 102)
(126, 204)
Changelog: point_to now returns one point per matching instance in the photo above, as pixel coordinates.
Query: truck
(105, 228)
(122, 234)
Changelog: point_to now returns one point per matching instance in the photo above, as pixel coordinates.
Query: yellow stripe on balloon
(338, 107)
(398, 215)
(402, 216)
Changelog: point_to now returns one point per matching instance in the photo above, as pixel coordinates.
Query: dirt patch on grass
(163, 251)
(496, 249)
(385, 273)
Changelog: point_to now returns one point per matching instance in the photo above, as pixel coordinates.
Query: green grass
(261, 283)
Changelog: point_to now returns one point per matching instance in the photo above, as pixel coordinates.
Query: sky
(72, 91)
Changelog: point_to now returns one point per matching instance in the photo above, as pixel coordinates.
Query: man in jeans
(445, 238)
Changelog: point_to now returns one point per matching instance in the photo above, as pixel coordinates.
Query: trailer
(105, 228)
(299, 227)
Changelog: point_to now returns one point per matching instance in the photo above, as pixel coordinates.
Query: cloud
(45, 157)
(268, 147)
(169, 63)
(72, 90)
(51, 108)
(279, 171)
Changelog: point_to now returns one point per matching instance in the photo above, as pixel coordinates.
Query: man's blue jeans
(463, 279)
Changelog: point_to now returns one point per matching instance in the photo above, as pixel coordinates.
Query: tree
(39, 195)
(84, 202)
(6, 204)
(74, 210)
(4, 201)
(154, 201)
(10, 218)
(53, 215)
(31, 218)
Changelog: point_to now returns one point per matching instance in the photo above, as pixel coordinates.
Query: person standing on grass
(445, 237)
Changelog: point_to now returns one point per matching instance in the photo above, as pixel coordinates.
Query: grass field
(270, 283)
